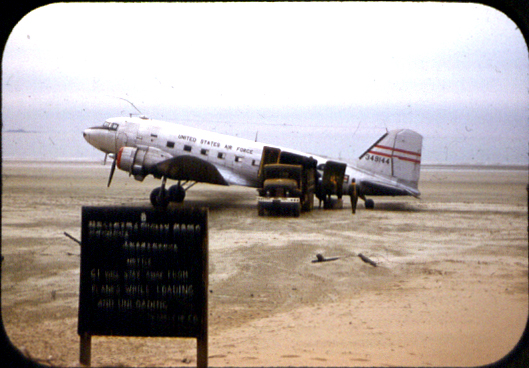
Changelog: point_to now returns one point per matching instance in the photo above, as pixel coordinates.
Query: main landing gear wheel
(159, 197)
(370, 204)
(177, 193)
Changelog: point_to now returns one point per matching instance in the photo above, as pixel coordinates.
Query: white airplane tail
(396, 156)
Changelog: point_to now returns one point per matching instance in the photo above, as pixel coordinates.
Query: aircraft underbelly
(376, 189)
(236, 177)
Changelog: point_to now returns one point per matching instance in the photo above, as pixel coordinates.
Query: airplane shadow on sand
(220, 202)
(397, 207)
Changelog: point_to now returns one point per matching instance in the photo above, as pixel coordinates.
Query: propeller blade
(112, 171)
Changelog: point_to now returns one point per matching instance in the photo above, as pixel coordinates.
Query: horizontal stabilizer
(373, 188)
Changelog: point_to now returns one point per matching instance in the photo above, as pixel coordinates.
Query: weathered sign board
(144, 272)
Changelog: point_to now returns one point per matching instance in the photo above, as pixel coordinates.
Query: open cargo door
(331, 182)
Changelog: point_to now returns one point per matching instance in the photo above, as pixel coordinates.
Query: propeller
(112, 170)
(111, 155)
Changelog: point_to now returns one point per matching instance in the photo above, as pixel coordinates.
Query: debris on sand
(367, 260)
(71, 237)
(321, 258)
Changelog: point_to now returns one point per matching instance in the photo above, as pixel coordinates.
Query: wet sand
(450, 287)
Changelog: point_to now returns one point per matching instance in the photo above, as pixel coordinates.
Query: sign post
(144, 272)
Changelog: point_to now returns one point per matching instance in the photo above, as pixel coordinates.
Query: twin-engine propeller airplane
(142, 147)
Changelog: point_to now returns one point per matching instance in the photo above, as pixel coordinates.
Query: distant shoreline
(469, 167)
(58, 161)
(425, 167)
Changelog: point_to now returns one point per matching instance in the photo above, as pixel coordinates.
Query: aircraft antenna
(124, 99)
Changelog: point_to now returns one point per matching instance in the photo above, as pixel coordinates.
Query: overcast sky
(456, 73)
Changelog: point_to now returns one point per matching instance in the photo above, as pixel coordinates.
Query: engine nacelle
(141, 161)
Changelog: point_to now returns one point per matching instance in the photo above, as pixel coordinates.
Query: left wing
(189, 168)
(143, 161)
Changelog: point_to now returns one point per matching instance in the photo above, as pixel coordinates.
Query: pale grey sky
(456, 73)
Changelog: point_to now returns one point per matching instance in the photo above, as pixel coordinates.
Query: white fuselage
(238, 160)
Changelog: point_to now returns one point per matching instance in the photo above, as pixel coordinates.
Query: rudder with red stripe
(396, 155)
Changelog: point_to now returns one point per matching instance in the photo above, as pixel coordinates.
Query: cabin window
(346, 179)
(154, 135)
(170, 144)
(221, 156)
(187, 148)
(204, 152)
(255, 162)
(238, 159)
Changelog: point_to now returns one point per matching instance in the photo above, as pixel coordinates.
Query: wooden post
(202, 338)
(86, 349)
(202, 350)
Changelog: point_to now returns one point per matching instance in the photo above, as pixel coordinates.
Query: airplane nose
(86, 135)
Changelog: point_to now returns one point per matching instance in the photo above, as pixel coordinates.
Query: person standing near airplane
(354, 195)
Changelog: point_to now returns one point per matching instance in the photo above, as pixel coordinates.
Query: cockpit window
(110, 126)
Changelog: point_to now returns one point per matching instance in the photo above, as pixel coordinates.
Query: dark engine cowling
(141, 161)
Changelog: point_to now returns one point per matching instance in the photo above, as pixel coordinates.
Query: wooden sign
(144, 272)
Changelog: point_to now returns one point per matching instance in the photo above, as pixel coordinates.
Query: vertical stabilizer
(396, 155)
